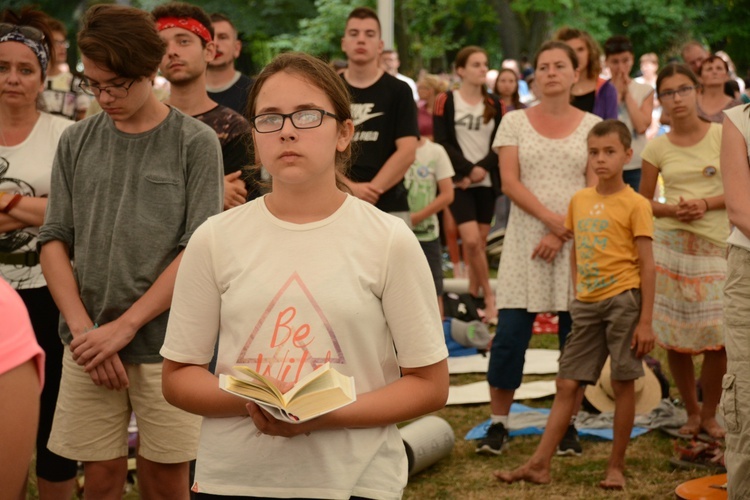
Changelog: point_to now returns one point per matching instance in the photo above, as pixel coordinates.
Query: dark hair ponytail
(461, 60)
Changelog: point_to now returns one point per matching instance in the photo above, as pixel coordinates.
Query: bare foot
(693, 425)
(712, 428)
(615, 480)
(537, 474)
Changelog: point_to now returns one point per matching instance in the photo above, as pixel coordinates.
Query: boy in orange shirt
(613, 269)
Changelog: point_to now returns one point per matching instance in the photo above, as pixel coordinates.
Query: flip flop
(675, 433)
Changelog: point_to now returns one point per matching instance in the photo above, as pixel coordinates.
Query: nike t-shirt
(382, 113)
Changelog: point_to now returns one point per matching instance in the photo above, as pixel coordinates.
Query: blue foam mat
(480, 431)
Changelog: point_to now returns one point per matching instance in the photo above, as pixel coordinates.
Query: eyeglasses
(116, 91)
(62, 43)
(682, 92)
(302, 119)
(29, 32)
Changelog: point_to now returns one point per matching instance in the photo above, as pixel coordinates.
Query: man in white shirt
(390, 63)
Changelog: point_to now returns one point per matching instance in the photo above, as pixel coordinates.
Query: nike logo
(363, 112)
(363, 119)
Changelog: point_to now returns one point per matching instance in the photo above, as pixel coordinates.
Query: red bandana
(186, 23)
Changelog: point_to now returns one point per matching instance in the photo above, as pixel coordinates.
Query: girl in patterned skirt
(689, 246)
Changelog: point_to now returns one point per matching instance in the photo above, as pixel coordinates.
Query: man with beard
(226, 85)
(187, 31)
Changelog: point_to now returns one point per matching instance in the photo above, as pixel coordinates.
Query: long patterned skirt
(690, 276)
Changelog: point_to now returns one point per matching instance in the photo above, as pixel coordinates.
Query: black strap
(28, 259)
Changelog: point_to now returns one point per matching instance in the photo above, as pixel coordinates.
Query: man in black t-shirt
(225, 84)
(385, 118)
(189, 48)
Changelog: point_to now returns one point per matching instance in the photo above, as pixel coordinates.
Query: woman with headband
(28, 140)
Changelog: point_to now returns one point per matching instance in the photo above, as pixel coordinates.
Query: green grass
(464, 475)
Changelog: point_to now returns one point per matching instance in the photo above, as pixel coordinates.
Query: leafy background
(428, 33)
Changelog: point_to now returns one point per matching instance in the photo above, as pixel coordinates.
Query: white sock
(500, 419)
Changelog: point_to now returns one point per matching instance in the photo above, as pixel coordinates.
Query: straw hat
(647, 391)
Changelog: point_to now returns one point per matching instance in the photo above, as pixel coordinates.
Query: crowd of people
(154, 236)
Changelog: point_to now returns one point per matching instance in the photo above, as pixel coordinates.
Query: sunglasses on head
(29, 32)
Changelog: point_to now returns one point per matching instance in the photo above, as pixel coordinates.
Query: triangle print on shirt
(291, 333)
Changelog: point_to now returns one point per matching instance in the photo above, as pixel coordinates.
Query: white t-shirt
(640, 92)
(63, 97)
(431, 165)
(472, 134)
(740, 117)
(411, 83)
(353, 289)
(26, 168)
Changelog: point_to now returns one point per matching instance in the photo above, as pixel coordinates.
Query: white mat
(538, 362)
(479, 392)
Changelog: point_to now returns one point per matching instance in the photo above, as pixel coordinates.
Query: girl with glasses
(305, 275)
(691, 230)
(62, 93)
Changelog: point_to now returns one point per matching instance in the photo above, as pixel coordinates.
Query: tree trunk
(540, 31)
(402, 40)
(509, 29)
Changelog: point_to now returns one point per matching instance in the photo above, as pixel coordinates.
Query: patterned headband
(14, 33)
(186, 23)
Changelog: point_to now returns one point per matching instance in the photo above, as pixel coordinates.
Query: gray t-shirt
(126, 205)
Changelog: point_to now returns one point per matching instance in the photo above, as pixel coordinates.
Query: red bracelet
(12, 203)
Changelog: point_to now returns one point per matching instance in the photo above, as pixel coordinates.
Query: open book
(319, 392)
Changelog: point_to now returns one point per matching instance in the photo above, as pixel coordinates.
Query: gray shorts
(602, 329)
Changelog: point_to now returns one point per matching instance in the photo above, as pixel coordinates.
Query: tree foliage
(436, 29)
(321, 34)
(428, 33)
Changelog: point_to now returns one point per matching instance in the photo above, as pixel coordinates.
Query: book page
(319, 392)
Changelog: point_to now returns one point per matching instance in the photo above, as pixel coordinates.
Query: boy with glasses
(129, 187)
